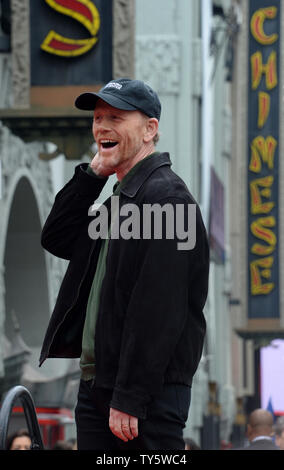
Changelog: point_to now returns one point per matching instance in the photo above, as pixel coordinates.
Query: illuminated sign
(83, 11)
(70, 42)
(263, 136)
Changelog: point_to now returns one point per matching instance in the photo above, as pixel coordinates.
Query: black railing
(21, 393)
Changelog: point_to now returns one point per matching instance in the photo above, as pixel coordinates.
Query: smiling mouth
(107, 144)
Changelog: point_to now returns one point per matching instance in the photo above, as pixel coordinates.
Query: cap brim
(87, 101)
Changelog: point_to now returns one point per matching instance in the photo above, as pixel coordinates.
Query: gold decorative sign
(83, 11)
(263, 135)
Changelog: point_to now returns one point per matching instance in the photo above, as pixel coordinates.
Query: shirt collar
(136, 177)
(258, 438)
(120, 184)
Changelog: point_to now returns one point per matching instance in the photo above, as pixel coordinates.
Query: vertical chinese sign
(263, 158)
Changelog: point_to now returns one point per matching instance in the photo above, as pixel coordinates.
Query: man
(260, 431)
(129, 306)
(279, 432)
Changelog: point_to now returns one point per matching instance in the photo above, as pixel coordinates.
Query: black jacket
(150, 326)
(261, 444)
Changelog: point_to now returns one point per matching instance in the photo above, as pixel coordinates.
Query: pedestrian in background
(260, 431)
(279, 432)
(19, 440)
(62, 445)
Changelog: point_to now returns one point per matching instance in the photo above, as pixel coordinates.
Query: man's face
(119, 134)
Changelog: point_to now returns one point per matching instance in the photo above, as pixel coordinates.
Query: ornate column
(123, 38)
(20, 53)
(158, 60)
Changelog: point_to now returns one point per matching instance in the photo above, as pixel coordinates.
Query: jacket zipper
(70, 308)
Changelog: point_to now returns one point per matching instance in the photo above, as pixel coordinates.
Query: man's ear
(152, 126)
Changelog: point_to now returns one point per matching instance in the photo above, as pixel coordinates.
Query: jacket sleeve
(155, 320)
(69, 213)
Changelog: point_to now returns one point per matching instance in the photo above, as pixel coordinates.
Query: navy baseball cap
(126, 94)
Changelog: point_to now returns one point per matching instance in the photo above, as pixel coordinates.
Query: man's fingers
(118, 432)
(122, 425)
(115, 425)
(98, 165)
(133, 424)
(125, 427)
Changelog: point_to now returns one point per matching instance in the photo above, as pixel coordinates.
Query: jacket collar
(132, 186)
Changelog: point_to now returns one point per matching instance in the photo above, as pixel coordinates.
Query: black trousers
(161, 430)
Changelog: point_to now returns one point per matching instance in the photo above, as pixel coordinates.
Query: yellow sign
(263, 162)
(83, 11)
